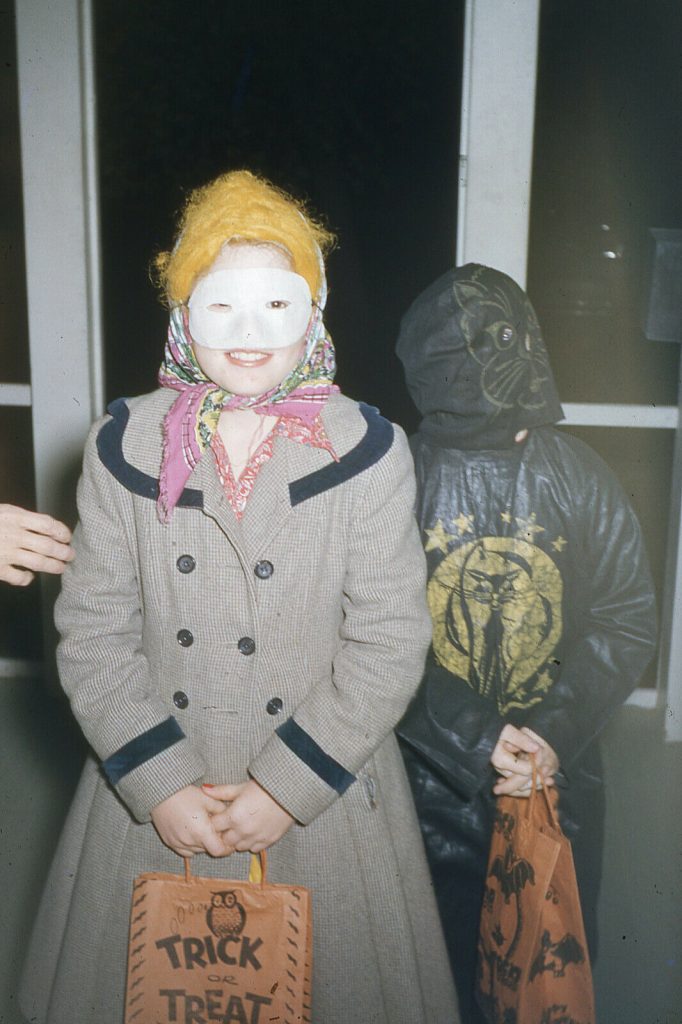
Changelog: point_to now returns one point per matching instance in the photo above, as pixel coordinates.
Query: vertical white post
(670, 658)
(55, 67)
(496, 146)
(58, 156)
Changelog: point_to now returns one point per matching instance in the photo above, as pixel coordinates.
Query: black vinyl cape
(540, 593)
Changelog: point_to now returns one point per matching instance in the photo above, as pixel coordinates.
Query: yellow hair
(240, 206)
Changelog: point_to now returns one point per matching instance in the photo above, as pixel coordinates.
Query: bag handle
(538, 778)
(257, 869)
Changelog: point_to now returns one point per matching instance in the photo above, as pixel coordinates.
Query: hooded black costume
(539, 589)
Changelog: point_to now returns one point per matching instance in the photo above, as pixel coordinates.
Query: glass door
(608, 141)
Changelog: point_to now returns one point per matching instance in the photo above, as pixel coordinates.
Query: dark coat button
(264, 569)
(274, 705)
(180, 699)
(246, 645)
(186, 563)
(185, 638)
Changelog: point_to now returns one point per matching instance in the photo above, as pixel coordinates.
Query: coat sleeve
(384, 634)
(615, 614)
(103, 669)
(452, 729)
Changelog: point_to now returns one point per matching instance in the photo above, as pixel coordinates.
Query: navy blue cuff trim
(305, 747)
(373, 446)
(131, 755)
(110, 450)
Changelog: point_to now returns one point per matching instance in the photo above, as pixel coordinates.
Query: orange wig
(240, 206)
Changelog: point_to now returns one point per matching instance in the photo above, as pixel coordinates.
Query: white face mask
(260, 308)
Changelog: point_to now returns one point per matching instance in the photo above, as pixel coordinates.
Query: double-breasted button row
(263, 569)
(273, 706)
(245, 645)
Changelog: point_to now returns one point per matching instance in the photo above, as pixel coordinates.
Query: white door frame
(496, 133)
(55, 69)
(61, 224)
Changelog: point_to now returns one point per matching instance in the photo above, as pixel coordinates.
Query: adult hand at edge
(31, 542)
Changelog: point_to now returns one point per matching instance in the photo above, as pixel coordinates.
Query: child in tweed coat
(242, 626)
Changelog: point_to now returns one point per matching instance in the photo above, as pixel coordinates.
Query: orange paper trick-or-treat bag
(533, 963)
(208, 949)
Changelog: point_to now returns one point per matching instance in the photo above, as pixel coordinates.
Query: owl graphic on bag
(226, 916)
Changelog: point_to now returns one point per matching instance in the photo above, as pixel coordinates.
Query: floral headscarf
(192, 420)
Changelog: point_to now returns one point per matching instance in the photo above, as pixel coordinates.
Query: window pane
(608, 147)
(14, 368)
(20, 623)
(354, 105)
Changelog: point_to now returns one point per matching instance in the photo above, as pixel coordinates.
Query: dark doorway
(353, 106)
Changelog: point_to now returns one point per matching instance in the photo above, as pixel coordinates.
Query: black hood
(475, 362)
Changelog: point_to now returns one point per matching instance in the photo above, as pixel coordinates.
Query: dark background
(352, 106)
(607, 167)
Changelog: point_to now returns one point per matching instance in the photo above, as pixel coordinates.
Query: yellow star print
(464, 523)
(505, 517)
(559, 544)
(545, 680)
(528, 527)
(438, 539)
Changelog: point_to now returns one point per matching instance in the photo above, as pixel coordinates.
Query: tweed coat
(283, 647)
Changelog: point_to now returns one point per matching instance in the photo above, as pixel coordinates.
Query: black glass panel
(20, 623)
(353, 105)
(14, 364)
(608, 148)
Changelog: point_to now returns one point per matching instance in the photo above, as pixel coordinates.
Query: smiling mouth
(244, 357)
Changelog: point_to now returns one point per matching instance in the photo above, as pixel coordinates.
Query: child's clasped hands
(220, 819)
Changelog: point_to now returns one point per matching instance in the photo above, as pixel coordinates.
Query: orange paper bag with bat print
(533, 963)
(210, 949)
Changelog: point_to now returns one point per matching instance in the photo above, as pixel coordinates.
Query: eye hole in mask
(255, 308)
(219, 307)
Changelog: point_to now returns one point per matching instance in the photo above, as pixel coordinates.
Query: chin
(247, 390)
